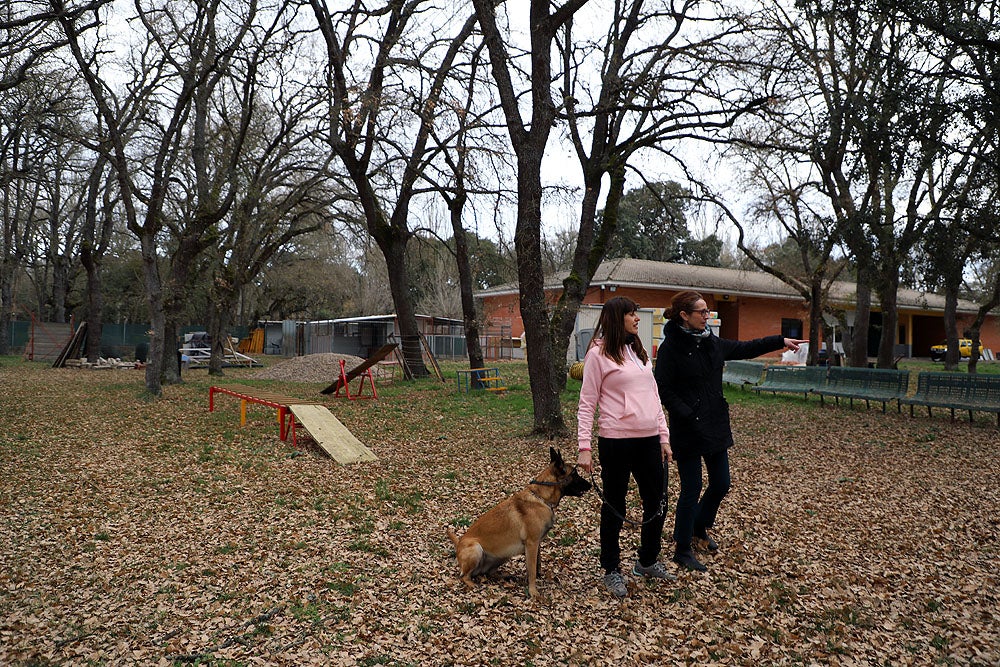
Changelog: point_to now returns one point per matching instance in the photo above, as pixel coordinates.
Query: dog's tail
(453, 536)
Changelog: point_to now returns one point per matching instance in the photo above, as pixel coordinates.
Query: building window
(791, 328)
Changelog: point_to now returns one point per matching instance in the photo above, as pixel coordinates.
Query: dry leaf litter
(157, 533)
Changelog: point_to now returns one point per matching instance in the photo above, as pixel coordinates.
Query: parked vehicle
(964, 349)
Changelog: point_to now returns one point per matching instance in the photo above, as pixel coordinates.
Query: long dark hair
(682, 302)
(611, 328)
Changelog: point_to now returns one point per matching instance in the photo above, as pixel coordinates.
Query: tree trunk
(471, 323)
(974, 352)
(816, 322)
(406, 318)
(888, 290)
(590, 251)
(858, 353)
(176, 290)
(951, 355)
(60, 287)
(170, 373)
(987, 306)
(157, 321)
(218, 331)
(95, 304)
(93, 246)
(534, 310)
(6, 308)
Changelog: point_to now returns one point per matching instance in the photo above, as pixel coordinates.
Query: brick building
(749, 304)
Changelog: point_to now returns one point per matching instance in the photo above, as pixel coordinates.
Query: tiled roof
(645, 273)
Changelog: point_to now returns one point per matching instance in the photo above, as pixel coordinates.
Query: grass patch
(309, 612)
(343, 586)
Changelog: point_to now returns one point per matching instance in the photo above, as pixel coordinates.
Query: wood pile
(102, 364)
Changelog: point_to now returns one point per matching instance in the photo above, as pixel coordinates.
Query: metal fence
(495, 346)
(122, 340)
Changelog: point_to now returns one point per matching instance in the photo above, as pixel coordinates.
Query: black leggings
(640, 458)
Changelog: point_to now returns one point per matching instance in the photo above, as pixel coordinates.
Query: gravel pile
(310, 368)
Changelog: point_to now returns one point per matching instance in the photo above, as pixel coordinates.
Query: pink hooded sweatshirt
(626, 396)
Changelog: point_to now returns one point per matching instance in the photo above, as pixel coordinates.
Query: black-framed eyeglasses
(704, 312)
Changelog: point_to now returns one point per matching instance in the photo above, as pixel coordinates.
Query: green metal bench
(957, 391)
(792, 379)
(867, 384)
(743, 373)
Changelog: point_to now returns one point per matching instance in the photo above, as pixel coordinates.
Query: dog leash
(659, 512)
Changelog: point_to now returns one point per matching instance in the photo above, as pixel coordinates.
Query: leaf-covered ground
(155, 532)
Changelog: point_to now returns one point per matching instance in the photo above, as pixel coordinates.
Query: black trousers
(641, 459)
(694, 514)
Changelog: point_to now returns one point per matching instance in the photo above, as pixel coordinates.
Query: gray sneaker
(654, 571)
(615, 583)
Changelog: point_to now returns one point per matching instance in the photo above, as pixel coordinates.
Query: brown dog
(518, 524)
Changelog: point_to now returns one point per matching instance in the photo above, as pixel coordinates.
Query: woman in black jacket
(689, 378)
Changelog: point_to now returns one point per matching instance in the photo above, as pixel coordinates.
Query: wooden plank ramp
(330, 434)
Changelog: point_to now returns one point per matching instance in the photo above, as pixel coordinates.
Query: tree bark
(469, 320)
(548, 418)
(6, 307)
(394, 251)
(951, 355)
(218, 331)
(888, 300)
(858, 353)
(589, 253)
(157, 318)
(816, 301)
(528, 141)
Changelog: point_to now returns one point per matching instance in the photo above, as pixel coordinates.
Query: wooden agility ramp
(328, 432)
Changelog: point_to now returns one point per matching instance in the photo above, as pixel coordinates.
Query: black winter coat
(689, 377)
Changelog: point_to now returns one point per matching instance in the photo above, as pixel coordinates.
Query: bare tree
(653, 75)
(529, 138)
(230, 50)
(283, 192)
(63, 172)
(385, 87)
(663, 77)
(814, 240)
(969, 27)
(28, 33)
(864, 103)
(24, 109)
(162, 118)
(95, 238)
(468, 140)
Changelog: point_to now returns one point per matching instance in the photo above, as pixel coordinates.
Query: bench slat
(742, 373)
(792, 379)
(957, 391)
(867, 384)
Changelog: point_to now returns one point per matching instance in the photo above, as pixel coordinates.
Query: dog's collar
(551, 506)
(560, 483)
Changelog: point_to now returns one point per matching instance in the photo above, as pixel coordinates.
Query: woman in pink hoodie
(633, 439)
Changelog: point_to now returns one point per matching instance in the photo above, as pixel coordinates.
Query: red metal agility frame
(344, 385)
(280, 403)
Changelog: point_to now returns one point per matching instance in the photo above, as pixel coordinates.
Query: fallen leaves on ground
(143, 531)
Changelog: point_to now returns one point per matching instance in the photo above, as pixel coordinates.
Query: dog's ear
(556, 457)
